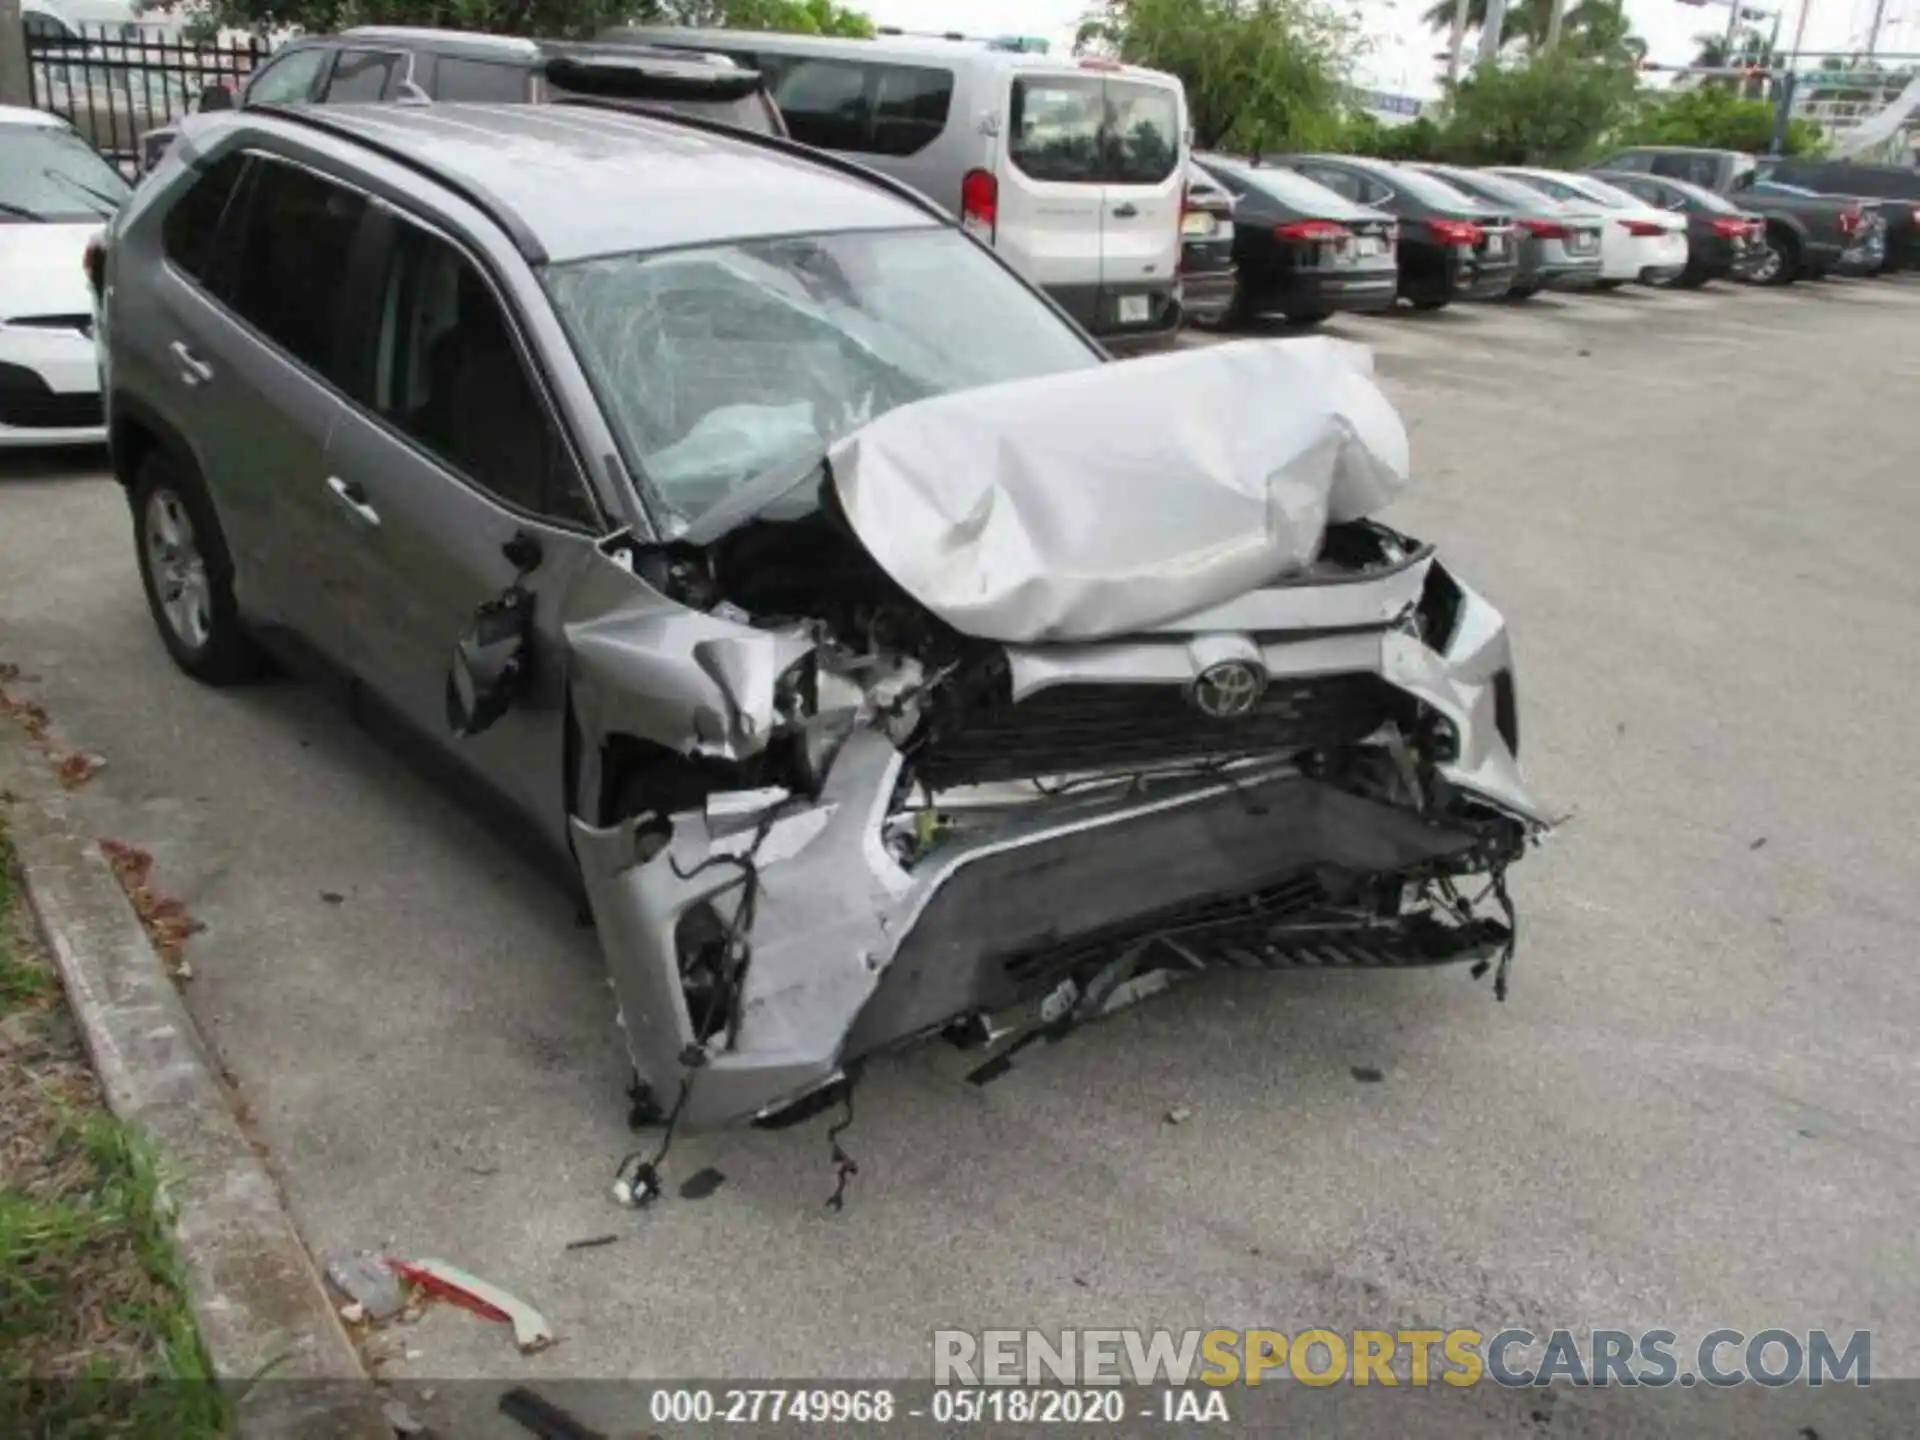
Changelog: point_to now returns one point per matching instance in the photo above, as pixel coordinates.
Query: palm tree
(1595, 26)
(1750, 47)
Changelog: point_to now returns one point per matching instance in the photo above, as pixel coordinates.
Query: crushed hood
(1114, 499)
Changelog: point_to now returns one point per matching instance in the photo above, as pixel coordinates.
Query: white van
(1071, 169)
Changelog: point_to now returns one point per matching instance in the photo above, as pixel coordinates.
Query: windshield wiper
(22, 212)
(84, 188)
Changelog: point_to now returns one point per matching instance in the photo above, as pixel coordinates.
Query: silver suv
(880, 655)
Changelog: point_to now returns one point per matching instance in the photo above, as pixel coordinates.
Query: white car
(55, 195)
(1642, 243)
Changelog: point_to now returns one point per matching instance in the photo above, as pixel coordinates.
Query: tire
(1523, 292)
(1781, 262)
(187, 573)
(1689, 280)
(1307, 319)
(1608, 284)
(1431, 302)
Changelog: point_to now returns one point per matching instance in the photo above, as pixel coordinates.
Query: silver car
(883, 658)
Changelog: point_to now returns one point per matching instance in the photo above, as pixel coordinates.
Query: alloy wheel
(178, 569)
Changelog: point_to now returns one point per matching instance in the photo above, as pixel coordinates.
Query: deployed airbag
(1109, 500)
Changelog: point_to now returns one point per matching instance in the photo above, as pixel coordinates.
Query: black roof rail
(490, 205)
(779, 143)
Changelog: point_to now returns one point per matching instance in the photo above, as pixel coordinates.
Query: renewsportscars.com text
(1458, 1357)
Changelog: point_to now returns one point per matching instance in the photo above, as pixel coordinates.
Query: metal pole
(1453, 50)
(1554, 17)
(1800, 27)
(1733, 27)
(13, 56)
(1873, 35)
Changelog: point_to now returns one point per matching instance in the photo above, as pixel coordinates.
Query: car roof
(582, 180)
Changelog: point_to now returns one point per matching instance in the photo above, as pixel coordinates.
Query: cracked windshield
(726, 363)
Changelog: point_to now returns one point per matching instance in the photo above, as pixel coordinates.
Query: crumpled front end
(1066, 825)
(835, 814)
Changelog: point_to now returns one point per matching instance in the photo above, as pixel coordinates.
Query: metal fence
(116, 82)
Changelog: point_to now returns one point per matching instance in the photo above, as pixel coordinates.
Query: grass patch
(95, 1335)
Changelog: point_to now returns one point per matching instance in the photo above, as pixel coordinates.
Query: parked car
(55, 195)
(703, 497)
(1644, 243)
(1302, 250)
(1451, 246)
(1208, 276)
(1559, 243)
(1722, 239)
(1805, 235)
(1893, 190)
(1866, 252)
(401, 63)
(1072, 169)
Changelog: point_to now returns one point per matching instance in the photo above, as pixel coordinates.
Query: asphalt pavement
(1695, 1110)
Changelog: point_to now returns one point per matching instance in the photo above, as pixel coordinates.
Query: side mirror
(215, 97)
(492, 663)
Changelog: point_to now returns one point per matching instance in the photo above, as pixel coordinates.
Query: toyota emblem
(1229, 689)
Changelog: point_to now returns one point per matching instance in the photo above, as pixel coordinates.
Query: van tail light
(1643, 229)
(1728, 226)
(1456, 232)
(1850, 221)
(980, 204)
(1916, 214)
(1315, 231)
(94, 261)
(1544, 229)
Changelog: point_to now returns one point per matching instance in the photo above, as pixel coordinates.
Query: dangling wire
(844, 1165)
(1513, 933)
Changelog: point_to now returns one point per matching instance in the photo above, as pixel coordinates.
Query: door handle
(349, 494)
(1126, 211)
(193, 370)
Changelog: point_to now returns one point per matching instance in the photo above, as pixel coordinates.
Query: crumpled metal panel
(1112, 500)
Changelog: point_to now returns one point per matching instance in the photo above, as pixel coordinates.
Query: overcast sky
(1403, 48)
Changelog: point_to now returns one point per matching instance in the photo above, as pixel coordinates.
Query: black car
(1722, 239)
(1208, 276)
(1894, 190)
(1452, 246)
(1301, 250)
(371, 63)
(1559, 242)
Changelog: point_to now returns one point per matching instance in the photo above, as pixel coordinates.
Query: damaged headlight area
(833, 817)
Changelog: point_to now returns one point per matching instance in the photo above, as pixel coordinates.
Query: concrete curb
(259, 1302)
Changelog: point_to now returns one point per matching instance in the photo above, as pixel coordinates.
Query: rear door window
(1143, 129)
(1080, 129)
(287, 263)
(1055, 128)
(360, 75)
(455, 79)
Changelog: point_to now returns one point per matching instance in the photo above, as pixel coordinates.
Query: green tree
(1716, 118)
(1259, 74)
(556, 18)
(1549, 110)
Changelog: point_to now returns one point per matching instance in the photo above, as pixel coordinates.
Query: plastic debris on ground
(449, 1282)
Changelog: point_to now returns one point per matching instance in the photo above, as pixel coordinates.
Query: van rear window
(1077, 129)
